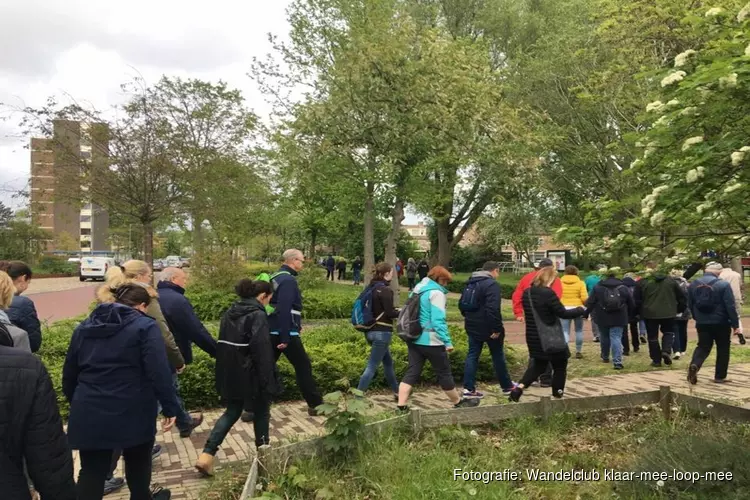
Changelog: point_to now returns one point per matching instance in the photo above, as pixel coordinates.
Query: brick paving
(290, 422)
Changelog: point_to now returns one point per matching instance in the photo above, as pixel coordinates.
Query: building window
(537, 256)
(85, 231)
(85, 218)
(85, 245)
(540, 242)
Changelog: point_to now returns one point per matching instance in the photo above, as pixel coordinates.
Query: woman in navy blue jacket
(22, 312)
(115, 371)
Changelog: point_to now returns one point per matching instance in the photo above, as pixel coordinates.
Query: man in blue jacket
(186, 328)
(285, 320)
(480, 307)
(713, 307)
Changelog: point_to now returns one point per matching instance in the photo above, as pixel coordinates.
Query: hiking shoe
(721, 381)
(545, 384)
(626, 353)
(605, 360)
(155, 452)
(247, 416)
(677, 355)
(473, 394)
(579, 355)
(402, 410)
(666, 358)
(558, 393)
(508, 390)
(197, 421)
(515, 394)
(637, 350)
(655, 364)
(741, 338)
(312, 411)
(467, 403)
(159, 493)
(619, 366)
(692, 376)
(113, 484)
(596, 340)
(643, 339)
(395, 397)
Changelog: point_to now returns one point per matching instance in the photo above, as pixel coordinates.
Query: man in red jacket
(545, 380)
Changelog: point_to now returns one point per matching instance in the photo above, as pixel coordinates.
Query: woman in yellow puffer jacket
(574, 295)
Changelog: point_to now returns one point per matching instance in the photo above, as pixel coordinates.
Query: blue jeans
(498, 362)
(642, 327)
(579, 331)
(379, 352)
(611, 338)
(184, 420)
(357, 276)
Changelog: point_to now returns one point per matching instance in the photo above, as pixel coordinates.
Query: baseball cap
(545, 263)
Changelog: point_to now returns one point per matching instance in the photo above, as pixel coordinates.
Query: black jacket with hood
(607, 319)
(488, 319)
(659, 297)
(31, 429)
(245, 361)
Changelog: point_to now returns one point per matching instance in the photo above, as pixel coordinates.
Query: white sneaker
(676, 355)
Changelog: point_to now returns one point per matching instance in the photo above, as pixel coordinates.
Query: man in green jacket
(591, 281)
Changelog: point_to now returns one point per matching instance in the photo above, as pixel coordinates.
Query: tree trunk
(148, 243)
(443, 242)
(313, 243)
(369, 234)
(198, 235)
(397, 217)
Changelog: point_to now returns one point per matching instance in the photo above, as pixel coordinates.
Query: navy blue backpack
(363, 318)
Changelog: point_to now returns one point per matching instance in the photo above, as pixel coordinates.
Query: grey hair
(291, 254)
(169, 273)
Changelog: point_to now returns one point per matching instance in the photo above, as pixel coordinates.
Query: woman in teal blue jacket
(435, 342)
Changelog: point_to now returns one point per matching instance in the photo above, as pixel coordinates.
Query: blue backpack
(469, 301)
(363, 318)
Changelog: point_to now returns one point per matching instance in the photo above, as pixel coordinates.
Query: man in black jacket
(31, 429)
(480, 307)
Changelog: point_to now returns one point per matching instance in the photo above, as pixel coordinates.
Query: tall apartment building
(59, 201)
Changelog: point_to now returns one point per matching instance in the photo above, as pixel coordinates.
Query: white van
(95, 268)
(173, 261)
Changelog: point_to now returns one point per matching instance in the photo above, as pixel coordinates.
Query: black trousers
(668, 329)
(438, 358)
(633, 337)
(538, 367)
(682, 335)
(95, 465)
(297, 356)
(412, 282)
(342, 274)
(329, 274)
(707, 335)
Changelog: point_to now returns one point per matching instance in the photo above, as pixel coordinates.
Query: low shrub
(457, 286)
(56, 266)
(216, 271)
(336, 352)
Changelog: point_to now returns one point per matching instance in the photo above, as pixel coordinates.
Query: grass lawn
(402, 465)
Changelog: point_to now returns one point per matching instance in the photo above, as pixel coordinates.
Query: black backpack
(613, 300)
(469, 301)
(408, 326)
(703, 297)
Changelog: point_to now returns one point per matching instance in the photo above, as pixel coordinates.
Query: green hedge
(457, 286)
(335, 351)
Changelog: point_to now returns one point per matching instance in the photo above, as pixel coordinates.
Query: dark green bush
(457, 286)
(56, 265)
(335, 351)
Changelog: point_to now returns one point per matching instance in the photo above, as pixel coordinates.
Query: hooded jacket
(245, 362)
(286, 320)
(488, 319)
(591, 281)
(596, 300)
(432, 303)
(411, 269)
(183, 322)
(525, 284)
(31, 429)
(549, 308)
(659, 297)
(115, 371)
(574, 293)
(423, 269)
(19, 336)
(725, 307)
(22, 313)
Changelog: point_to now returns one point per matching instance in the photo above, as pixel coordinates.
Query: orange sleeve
(518, 294)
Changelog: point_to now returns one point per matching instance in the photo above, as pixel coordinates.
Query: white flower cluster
(695, 174)
(654, 106)
(674, 77)
(744, 13)
(682, 58)
(689, 111)
(671, 261)
(658, 218)
(673, 102)
(732, 187)
(703, 207)
(728, 81)
(692, 141)
(747, 50)
(649, 201)
(662, 121)
(739, 156)
(714, 12)
(636, 163)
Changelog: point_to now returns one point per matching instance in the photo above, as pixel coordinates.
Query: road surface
(61, 298)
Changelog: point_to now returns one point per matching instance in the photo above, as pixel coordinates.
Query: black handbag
(550, 336)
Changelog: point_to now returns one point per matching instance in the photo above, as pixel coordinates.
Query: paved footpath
(290, 420)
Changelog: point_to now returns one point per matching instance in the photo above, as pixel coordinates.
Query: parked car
(158, 265)
(74, 260)
(185, 262)
(94, 268)
(173, 261)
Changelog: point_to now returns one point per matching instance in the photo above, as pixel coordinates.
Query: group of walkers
(124, 361)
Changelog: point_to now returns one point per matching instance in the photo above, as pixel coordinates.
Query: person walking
(735, 282)
(33, 441)
(613, 304)
(7, 292)
(115, 371)
(681, 320)
(714, 308)
(357, 270)
(341, 266)
(574, 295)
(330, 267)
(423, 269)
(411, 273)
(21, 311)
(434, 344)
(591, 281)
(187, 329)
(659, 299)
(286, 326)
(480, 306)
(399, 269)
(542, 301)
(380, 334)
(633, 320)
(545, 380)
(245, 368)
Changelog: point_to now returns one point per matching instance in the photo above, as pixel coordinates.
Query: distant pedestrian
(245, 368)
(574, 295)
(341, 267)
(540, 301)
(330, 267)
(591, 281)
(682, 319)
(633, 320)
(735, 282)
(714, 308)
(423, 269)
(480, 306)
(411, 273)
(399, 269)
(613, 305)
(357, 270)
(434, 344)
(22, 312)
(659, 299)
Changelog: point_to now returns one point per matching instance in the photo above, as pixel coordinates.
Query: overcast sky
(87, 48)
